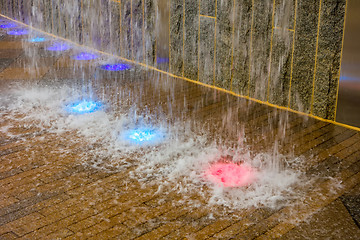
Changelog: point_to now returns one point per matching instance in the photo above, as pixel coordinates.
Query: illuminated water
(173, 153)
(144, 136)
(59, 46)
(6, 25)
(231, 174)
(85, 56)
(169, 154)
(18, 32)
(37, 39)
(83, 106)
(115, 67)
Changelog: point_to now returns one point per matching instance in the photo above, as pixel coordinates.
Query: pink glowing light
(231, 174)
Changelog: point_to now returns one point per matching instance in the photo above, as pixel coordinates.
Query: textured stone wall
(284, 52)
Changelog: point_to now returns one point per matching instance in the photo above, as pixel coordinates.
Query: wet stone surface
(70, 177)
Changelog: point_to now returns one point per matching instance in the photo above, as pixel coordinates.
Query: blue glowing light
(115, 67)
(85, 56)
(37, 39)
(8, 25)
(19, 31)
(144, 136)
(84, 106)
(160, 60)
(59, 46)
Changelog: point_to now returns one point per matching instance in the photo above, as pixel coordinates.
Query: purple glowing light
(160, 60)
(18, 32)
(59, 46)
(8, 25)
(115, 67)
(230, 174)
(85, 56)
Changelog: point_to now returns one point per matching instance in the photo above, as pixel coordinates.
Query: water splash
(231, 174)
(144, 136)
(178, 160)
(83, 106)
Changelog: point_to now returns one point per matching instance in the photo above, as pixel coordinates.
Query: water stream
(125, 117)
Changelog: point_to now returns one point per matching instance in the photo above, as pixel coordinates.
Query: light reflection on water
(18, 32)
(144, 136)
(84, 106)
(59, 46)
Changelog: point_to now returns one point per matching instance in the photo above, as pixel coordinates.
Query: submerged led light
(230, 174)
(37, 39)
(19, 31)
(144, 136)
(84, 106)
(59, 46)
(8, 25)
(115, 67)
(160, 60)
(85, 56)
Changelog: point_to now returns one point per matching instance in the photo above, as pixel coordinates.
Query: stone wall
(284, 52)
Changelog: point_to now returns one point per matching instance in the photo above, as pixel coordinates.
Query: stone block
(260, 50)
(304, 55)
(176, 37)
(206, 50)
(281, 57)
(149, 31)
(207, 7)
(191, 39)
(328, 58)
(224, 44)
(242, 31)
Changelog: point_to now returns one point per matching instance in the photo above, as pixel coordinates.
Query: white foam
(176, 164)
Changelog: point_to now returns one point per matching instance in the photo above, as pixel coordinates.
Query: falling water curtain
(285, 53)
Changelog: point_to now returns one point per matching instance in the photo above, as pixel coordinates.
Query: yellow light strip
(169, 4)
(198, 65)
(315, 65)
(131, 29)
(292, 54)
(215, 43)
(189, 80)
(271, 48)
(288, 29)
(232, 49)
(206, 16)
(120, 29)
(341, 54)
(183, 53)
(250, 48)
(143, 30)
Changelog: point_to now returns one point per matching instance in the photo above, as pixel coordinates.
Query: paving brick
(50, 195)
